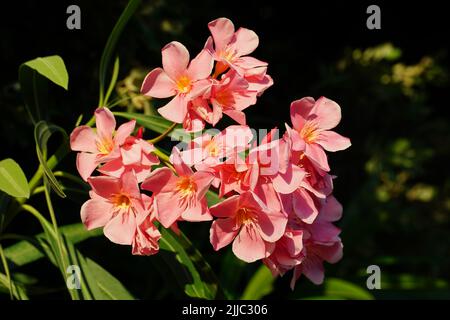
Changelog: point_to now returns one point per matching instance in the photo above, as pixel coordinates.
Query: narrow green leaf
(25, 252)
(197, 277)
(42, 132)
(112, 84)
(340, 288)
(13, 180)
(18, 291)
(110, 288)
(111, 44)
(260, 285)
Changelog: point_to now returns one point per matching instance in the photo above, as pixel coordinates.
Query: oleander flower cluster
(276, 190)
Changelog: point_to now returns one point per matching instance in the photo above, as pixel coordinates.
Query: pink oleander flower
(274, 161)
(101, 146)
(136, 155)
(236, 175)
(258, 80)
(178, 78)
(208, 150)
(287, 254)
(312, 121)
(321, 242)
(249, 224)
(118, 205)
(180, 196)
(231, 95)
(230, 48)
(145, 242)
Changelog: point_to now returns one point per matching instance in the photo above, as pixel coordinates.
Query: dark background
(392, 85)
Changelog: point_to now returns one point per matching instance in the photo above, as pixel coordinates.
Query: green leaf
(51, 67)
(33, 78)
(260, 285)
(113, 80)
(13, 180)
(340, 288)
(196, 276)
(25, 252)
(42, 132)
(109, 287)
(18, 291)
(212, 198)
(157, 124)
(111, 44)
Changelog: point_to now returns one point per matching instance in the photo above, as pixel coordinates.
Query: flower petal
(157, 84)
(160, 180)
(105, 123)
(331, 209)
(222, 30)
(272, 225)
(95, 213)
(332, 141)
(289, 181)
(121, 229)
(82, 138)
(167, 208)
(197, 212)
(86, 164)
(175, 110)
(312, 268)
(175, 59)
(246, 41)
(315, 153)
(248, 245)
(201, 66)
(105, 186)
(304, 206)
(327, 113)
(300, 110)
(226, 208)
(124, 131)
(222, 232)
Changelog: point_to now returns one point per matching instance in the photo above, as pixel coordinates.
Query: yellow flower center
(105, 146)
(184, 84)
(186, 188)
(228, 55)
(121, 201)
(244, 216)
(309, 132)
(212, 149)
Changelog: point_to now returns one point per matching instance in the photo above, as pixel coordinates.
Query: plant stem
(163, 135)
(164, 158)
(8, 274)
(70, 177)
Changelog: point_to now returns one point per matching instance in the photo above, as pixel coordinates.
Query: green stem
(60, 153)
(70, 177)
(8, 274)
(41, 189)
(47, 228)
(54, 222)
(163, 135)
